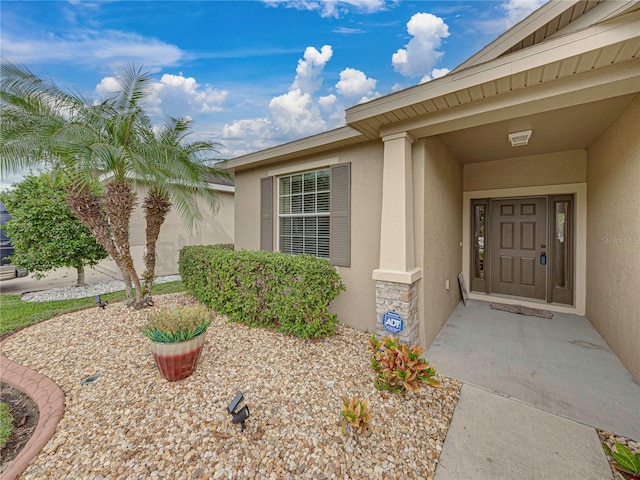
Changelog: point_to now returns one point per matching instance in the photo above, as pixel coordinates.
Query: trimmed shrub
(288, 293)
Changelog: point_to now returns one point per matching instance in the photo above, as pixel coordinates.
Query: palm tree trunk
(156, 208)
(87, 206)
(119, 202)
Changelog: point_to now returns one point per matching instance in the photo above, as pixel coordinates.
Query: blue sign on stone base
(392, 322)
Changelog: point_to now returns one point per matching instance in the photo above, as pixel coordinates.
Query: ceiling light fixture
(518, 139)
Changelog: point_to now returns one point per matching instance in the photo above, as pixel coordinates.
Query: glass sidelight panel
(480, 218)
(561, 249)
(560, 246)
(479, 259)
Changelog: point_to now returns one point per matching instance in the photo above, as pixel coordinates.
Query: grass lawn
(16, 314)
(6, 423)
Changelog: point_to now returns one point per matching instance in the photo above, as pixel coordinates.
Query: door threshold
(526, 302)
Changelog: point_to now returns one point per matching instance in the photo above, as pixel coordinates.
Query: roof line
(296, 146)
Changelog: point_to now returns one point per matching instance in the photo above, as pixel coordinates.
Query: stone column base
(393, 299)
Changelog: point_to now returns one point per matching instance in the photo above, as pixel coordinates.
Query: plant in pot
(177, 336)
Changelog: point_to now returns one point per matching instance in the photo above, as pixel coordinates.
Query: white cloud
(513, 12)
(354, 83)
(294, 114)
(439, 72)
(435, 73)
(331, 8)
(107, 85)
(301, 111)
(519, 9)
(179, 90)
(327, 101)
(254, 127)
(174, 95)
(421, 53)
(91, 48)
(309, 70)
(348, 31)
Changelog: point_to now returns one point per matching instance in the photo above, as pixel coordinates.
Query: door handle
(543, 258)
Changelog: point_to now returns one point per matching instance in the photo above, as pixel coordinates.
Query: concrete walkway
(534, 392)
(61, 277)
(492, 437)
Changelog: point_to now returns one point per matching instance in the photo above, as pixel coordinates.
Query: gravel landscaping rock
(89, 290)
(132, 423)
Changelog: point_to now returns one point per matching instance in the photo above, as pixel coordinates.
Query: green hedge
(288, 293)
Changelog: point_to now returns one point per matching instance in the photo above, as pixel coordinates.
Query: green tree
(44, 233)
(114, 143)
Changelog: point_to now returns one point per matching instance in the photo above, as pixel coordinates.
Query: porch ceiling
(560, 130)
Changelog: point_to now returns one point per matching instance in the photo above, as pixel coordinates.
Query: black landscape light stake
(238, 415)
(100, 303)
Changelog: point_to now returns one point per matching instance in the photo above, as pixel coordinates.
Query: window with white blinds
(304, 206)
(310, 212)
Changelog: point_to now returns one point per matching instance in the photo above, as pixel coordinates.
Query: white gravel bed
(133, 424)
(89, 290)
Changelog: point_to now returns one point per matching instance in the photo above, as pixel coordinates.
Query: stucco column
(397, 275)
(397, 251)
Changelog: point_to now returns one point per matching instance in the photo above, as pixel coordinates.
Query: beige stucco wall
(613, 236)
(247, 209)
(548, 169)
(438, 226)
(215, 227)
(357, 306)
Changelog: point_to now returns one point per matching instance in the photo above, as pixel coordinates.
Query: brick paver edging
(49, 398)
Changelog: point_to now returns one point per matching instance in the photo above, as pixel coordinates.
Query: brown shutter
(341, 214)
(266, 213)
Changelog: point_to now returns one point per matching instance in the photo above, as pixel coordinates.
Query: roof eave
(308, 145)
(547, 52)
(518, 32)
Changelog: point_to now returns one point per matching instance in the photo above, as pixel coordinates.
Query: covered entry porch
(560, 365)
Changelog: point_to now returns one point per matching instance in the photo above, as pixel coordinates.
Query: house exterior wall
(613, 236)
(215, 227)
(357, 306)
(247, 208)
(548, 169)
(439, 232)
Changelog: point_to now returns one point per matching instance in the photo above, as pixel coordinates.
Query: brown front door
(518, 247)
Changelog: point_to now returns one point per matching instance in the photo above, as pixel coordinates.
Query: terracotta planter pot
(176, 361)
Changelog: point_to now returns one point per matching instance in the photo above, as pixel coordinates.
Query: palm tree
(111, 142)
(184, 180)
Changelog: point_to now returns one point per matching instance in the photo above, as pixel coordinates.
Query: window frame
(315, 214)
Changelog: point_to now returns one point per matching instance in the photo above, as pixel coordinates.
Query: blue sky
(253, 74)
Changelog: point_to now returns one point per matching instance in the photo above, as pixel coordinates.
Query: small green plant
(356, 414)
(172, 325)
(6, 424)
(400, 368)
(625, 460)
